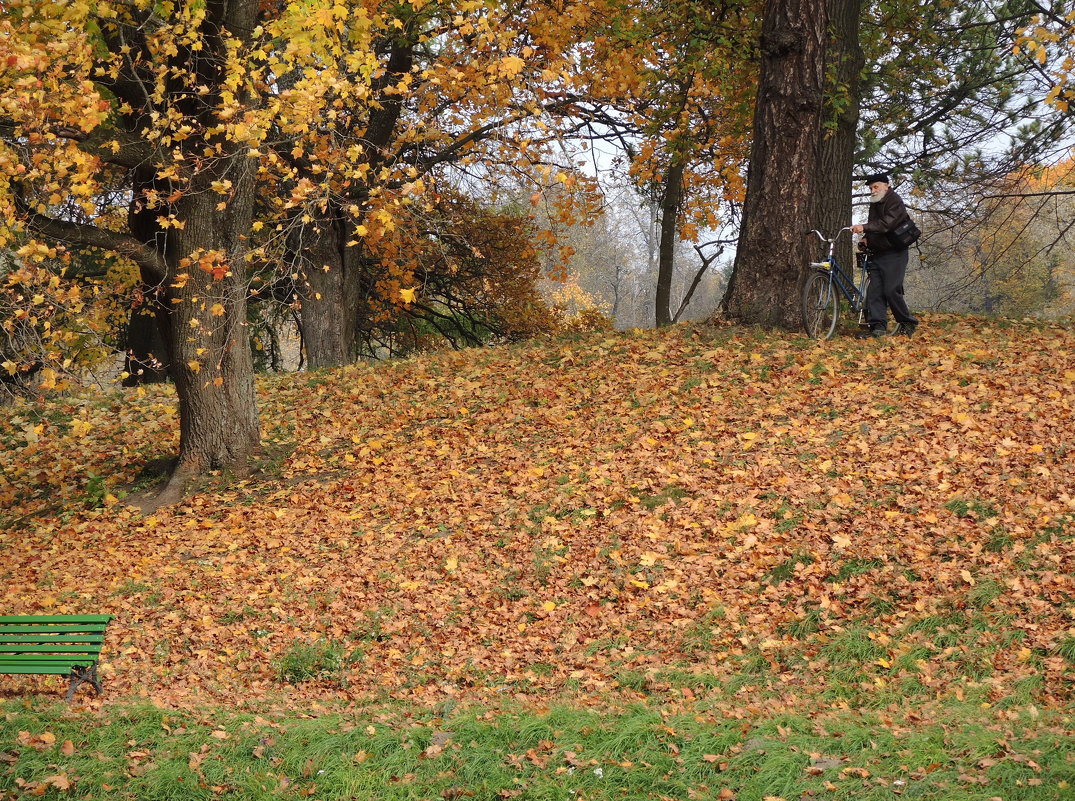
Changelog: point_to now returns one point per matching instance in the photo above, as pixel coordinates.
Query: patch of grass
(132, 587)
(606, 644)
(669, 493)
(701, 635)
(1024, 692)
(788, 518)
(511, 589)
(1066, 649)
(395, 753)
(239, 615)
(881, 605)
(320, 659)
(855, 567)
(786, 569)
(632, 680)
(803, 627)
(679, 679)
(999, 541)
(984, 593)
(977, 509)
(853, 647)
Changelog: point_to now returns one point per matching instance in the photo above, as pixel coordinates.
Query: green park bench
(65, 645)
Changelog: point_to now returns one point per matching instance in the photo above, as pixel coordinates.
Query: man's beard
(875, 197)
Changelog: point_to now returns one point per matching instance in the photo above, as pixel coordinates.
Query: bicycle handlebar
(823, 238)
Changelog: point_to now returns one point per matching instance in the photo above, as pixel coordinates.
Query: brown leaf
(59, 781)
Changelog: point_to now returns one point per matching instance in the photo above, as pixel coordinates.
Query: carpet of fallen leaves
(558, 515)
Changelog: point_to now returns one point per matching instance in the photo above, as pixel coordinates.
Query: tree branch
(151, 262)
(132, 151)
(706, 261)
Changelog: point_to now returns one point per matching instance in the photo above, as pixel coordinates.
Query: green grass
(322, 659)
(959, 751)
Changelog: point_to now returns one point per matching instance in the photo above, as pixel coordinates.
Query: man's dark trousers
(887, 271)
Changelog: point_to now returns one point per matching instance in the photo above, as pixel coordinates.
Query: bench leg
(81, 675)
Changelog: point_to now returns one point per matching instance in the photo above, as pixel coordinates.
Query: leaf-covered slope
(635, 510)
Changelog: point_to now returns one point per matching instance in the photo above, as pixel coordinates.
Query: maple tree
(475, 272)
(129, 104)
(437, 91)
(208, 142)
(1049, 39)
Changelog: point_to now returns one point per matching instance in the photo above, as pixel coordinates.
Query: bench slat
(54, 627)
(10, 661)
(50, 649)
(41, 668)
(45, 639)
(55, 618)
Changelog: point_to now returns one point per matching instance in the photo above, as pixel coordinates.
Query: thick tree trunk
(329, 286)
(203, 308)
(207, 334)
(782, 178)
(845, 59)
(670, 202)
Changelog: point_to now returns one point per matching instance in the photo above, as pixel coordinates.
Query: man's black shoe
(906, 329)
(871, 333)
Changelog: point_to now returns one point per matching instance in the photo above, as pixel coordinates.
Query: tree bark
(329, 287)
(146, 360)
(206, 330)
(670, 203)
(844, 96)
(203, 311)
(782, 178)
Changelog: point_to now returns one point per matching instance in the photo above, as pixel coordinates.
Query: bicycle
(825, 284)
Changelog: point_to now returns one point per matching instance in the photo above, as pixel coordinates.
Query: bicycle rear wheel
(821, 306)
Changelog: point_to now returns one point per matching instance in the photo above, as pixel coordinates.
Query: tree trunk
(207, 333)
(329, 287)
(782, 178)
(845, 59)
(203, 308)
(146, 360)
(670, 202)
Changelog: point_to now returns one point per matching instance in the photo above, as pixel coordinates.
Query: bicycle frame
(839, 283)
(855, 295)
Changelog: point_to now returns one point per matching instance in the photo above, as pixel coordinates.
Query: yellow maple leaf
(511, 66)
(649, 559)
(408, 295)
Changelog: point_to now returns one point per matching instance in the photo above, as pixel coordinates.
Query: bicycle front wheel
(821, 306)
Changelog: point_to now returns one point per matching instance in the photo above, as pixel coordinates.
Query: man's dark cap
(878, 177)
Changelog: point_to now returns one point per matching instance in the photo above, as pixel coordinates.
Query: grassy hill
(706, 519)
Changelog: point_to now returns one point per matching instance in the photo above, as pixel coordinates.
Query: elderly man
(888, 261)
